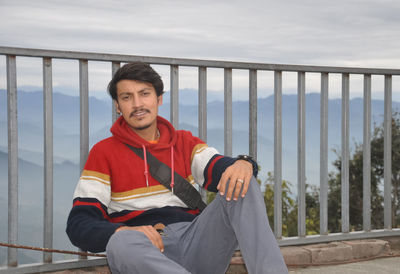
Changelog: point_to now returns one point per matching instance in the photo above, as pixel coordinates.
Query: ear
(117, 107)
(160, 100)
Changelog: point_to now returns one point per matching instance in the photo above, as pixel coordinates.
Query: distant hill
(66, 125)
(30, 198)
(65, 109)
(66, 147)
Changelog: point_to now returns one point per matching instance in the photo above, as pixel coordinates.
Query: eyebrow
(130, 92)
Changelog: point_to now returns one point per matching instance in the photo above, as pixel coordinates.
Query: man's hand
(239, 175)
(150, 233)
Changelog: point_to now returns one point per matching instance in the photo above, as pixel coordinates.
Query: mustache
(138, 110)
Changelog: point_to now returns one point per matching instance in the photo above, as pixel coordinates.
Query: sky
(356, 33)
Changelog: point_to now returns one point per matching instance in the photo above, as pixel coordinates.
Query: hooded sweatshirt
(115, 188)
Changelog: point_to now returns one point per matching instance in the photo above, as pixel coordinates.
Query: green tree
(356, 182)
(312, 210)
(289, 208)
(377, 150)
(289, 214)
(355, 194)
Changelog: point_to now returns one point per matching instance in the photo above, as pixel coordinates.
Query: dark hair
(137, 71)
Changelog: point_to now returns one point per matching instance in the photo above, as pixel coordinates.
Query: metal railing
(115, 60)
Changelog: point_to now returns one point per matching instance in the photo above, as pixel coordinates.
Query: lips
(139, 113)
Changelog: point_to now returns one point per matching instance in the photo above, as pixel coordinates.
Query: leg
(132, 252)
(257, 242)
(208, 242)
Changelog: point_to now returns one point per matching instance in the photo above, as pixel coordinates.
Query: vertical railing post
(84, 115)
(203, 112)
(253, 113)
(387, 153)
(367, 154)
(114, 67)
(12, 258)
(345, 152)
(174, 96)
(48, 158)
(278, 154)
(84, 111)
(301, 155)
(324, 154)
(203, 103)
(228, 112)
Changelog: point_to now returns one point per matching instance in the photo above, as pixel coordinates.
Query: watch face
(250, 160)
(244, 157)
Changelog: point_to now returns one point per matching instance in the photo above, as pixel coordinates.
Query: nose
(136, 101)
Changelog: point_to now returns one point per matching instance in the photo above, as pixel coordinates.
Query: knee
(123, 241)
(114, 242)
(115, 245)
(124, 248)
(253, 193)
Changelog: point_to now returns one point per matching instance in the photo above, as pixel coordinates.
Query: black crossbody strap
(162, 173)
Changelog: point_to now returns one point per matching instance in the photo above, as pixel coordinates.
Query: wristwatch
(251, 161)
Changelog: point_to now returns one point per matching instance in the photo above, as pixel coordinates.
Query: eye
(125, 97)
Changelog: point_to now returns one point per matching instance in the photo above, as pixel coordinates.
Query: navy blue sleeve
(87, 228)
(216, 167)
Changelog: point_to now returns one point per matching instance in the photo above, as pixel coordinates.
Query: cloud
(307, 32)
(357, 33)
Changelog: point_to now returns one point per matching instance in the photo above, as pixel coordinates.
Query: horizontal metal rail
(332, 237)
(189, 62)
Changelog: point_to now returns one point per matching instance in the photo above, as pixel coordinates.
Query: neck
(149, 134)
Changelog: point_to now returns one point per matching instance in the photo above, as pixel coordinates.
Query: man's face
(138, 103)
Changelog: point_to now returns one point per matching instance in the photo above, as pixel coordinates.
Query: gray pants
(205, 245)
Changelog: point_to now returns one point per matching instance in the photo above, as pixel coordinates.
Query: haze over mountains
(66, 146)
(66, 123)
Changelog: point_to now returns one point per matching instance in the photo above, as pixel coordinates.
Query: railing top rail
(92, 56)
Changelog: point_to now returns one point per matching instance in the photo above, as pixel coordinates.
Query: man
(146, 227)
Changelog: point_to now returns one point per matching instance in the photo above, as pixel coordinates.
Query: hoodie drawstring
(146, 171)
(172, 170)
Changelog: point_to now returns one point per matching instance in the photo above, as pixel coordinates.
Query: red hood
(126, 135)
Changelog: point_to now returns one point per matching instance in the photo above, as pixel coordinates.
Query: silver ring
(240, 181)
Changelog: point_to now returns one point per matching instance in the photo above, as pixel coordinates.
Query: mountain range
(66, 146)
(66, 125)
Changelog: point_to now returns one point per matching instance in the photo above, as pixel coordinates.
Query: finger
(155, 238)
(159, 242)
(222, 183)
(239, 185)
(246, 186)
(231, 187)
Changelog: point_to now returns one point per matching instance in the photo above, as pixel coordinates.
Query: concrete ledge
(368, 248)
(335, 252)
(330, 252)
(237, 265)
(394, 243)
(294, 255)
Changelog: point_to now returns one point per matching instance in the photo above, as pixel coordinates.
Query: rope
(43, 249)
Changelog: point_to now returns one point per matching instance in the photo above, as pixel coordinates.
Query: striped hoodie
(114, 189)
